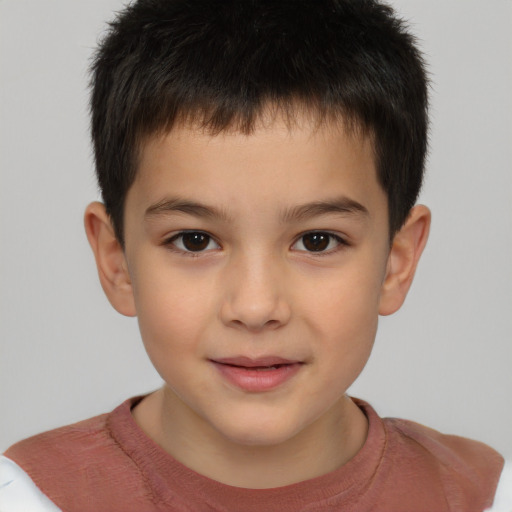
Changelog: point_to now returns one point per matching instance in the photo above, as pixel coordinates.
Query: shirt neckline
(171, 481)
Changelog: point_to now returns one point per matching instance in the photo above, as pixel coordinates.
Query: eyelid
(341, 242)
(169, 242)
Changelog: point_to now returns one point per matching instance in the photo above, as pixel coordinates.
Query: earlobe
(110, 259)
(408, 244)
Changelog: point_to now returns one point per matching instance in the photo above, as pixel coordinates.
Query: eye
(193, 241)
(318, 241)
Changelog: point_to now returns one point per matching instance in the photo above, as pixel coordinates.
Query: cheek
(343, 318)
(345, 302)
(172, 311)
(172, 329)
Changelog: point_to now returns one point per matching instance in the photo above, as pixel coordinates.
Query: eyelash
(171, 243)
(340, 242)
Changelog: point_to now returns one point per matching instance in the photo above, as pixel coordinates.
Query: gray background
(444, 360)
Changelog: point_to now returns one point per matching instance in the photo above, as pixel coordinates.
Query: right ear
(110, 259)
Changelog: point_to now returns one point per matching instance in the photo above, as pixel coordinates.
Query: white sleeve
(18, 493)
(503, 497)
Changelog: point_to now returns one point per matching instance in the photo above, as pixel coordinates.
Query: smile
(257, 375)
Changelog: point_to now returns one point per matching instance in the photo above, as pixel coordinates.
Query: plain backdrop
(444, 360)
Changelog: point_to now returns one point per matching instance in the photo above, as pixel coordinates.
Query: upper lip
(248, 362)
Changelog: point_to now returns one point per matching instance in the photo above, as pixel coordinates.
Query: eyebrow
(185, 206)
(340, 205)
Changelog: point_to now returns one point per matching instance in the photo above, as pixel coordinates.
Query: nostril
(256, 327)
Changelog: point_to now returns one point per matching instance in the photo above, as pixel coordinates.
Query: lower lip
(257, 381)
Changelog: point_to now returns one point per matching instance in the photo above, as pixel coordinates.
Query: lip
(257, 375)
(249, 362)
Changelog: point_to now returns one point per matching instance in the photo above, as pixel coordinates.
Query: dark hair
(222, 63)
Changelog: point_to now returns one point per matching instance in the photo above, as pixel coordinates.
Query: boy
(259, 164)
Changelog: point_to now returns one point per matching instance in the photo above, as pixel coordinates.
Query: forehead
(279, 164)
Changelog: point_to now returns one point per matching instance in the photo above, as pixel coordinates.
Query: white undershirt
(503, 496)
(18, 493)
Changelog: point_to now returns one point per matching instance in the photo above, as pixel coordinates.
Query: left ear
(408, 244)
(110, 259)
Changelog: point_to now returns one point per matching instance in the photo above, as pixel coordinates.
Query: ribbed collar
(172, 483)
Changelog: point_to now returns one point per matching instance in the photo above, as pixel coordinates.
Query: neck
(320, 448)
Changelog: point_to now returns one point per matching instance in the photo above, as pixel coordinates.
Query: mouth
(257, 375)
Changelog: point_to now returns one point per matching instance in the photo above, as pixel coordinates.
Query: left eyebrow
(341, 205)
(193, 208)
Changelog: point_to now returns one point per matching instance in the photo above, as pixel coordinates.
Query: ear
(110, 259)
(408, 244)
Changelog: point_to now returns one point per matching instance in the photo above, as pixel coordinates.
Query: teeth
(266, 368)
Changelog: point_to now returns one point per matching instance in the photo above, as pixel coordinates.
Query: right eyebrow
(340, 205)
(170, 205)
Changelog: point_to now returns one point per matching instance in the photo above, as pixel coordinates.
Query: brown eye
(316, 241)
(193, 241)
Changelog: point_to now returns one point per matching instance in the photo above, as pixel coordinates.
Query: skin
(257, 290)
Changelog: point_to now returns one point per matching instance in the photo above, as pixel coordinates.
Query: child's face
(282, 263)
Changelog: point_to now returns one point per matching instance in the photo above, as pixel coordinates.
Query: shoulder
(75, 465)
(456, 453)
(468, 471)
(58, 459)
(18, 492)
(64, 444)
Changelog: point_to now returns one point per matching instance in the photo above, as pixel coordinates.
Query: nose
(254, 294)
